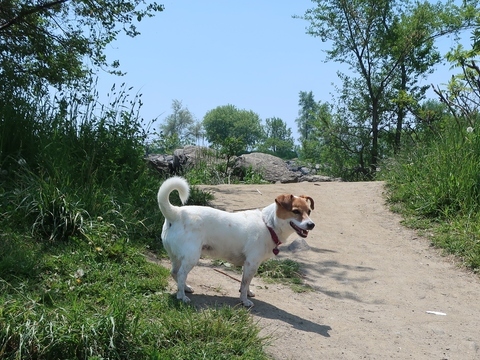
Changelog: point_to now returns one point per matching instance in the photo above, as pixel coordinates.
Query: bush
(440, 178)
(436, 183)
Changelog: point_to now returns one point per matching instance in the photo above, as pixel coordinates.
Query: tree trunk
(400, 111)
(375, 122)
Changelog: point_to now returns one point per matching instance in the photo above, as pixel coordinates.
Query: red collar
(275, 239)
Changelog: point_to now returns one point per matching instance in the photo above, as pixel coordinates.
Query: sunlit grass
(78, 210)
(436, 185)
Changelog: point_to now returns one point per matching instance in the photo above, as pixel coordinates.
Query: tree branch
(28, 11)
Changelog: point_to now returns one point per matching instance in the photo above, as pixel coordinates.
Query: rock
(182, 158)
(162, 163)
(272, 168)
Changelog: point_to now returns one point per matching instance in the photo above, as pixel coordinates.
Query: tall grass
(76, 160)
(442, 177)
(438, 180)
(78, 209)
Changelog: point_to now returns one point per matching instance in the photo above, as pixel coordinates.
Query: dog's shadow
(263, 310)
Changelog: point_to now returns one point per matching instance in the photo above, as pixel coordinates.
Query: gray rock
(272, 168)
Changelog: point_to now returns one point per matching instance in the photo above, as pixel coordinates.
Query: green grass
(102, 299)
(435, 184)
(284, 271)
(78, 210)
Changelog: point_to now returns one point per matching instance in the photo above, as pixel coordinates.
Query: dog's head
(296, 210)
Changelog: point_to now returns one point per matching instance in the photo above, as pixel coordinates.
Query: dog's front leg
(249, 270)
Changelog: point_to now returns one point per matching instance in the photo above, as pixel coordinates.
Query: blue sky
(251, 54)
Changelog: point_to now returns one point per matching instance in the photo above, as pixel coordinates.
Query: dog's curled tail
(174, 183)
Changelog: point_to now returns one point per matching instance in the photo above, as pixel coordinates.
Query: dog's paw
(185, 299)
(188, 289)
(247, 303)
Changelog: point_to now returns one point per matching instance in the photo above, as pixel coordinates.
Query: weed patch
(284, 271)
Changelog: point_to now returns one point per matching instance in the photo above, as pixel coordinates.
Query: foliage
(102, 299)
(46, 43)
(390, 46)
(232, 130)
(78, 203)
(76, 163)
(286, 271)
(343, 147)
(437, 180)
(179, 128)
(277, 139)
(306, 114)
(165, 144)
(79, 210)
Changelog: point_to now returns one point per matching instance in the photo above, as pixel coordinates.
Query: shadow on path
(263, 310)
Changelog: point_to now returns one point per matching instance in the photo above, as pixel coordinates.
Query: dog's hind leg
(174, 272)
(185, 267)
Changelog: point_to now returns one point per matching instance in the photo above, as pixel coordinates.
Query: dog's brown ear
(310, 200)
(285, 201)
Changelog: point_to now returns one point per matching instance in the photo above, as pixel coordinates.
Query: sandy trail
(374, 282)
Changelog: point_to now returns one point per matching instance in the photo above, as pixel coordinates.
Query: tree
(198, 133)
(46, 43)
(181, 123)
(462, 95)
(388, 44)
(227, 124)
(311, 149)
(232, 131)
(278, 139)
(306, 114)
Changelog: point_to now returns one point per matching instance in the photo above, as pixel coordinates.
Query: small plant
(252, 177)
(286, 271)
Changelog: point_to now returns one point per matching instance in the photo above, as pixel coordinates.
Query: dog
(244, 238)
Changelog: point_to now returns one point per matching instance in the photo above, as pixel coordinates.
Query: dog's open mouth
(302, 233)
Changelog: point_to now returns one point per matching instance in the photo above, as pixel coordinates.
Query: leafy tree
(306, 114)
(198, 133)
(343, 146)
(278, 139)
(227, 125)
(462, 95)
(312, 146)
(180, 123)
(47, 42)
(389, 45)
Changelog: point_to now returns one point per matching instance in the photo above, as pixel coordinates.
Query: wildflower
(469, 129)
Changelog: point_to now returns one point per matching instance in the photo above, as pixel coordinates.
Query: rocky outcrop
(183, 158)
(272, 168)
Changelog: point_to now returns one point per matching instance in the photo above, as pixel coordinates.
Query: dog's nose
(310, 225)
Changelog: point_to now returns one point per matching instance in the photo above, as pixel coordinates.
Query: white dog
(243, 238)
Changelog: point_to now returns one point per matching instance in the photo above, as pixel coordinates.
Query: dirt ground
(380, 290)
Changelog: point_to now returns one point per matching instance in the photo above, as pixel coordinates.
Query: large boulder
(181, 159)
(272, 168)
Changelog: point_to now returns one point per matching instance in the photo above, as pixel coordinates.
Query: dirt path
(374, 282)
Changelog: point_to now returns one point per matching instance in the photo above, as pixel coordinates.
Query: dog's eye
(309, 211)
(296, 212)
